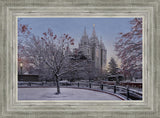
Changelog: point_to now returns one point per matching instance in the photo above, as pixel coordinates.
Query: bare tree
(24, 32)
(53, 53)
(129, 48)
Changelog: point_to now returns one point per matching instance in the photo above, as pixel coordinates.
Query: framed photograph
(76, 68)
(79, 59)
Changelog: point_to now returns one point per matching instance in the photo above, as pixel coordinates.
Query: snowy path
(66, 94)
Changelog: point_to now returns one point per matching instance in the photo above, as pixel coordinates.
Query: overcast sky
(107, 28)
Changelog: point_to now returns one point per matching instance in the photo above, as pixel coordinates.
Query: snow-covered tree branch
(129, 49)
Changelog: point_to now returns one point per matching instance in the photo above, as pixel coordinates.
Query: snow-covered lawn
(66, 94)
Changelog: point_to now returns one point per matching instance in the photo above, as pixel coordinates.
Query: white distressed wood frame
(10, 107)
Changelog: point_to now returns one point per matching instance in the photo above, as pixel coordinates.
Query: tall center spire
(85, 34)
(94, 32)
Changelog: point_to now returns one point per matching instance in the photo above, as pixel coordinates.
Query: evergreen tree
(112, 66)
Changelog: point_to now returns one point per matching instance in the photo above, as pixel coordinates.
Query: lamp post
(21, 66)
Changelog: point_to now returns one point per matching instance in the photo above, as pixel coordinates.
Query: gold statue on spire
(93, 25)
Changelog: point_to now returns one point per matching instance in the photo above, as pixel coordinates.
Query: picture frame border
(11, 107)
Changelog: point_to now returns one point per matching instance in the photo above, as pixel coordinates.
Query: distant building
(93, 49)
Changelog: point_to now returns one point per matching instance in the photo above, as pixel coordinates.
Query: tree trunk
(57, 84)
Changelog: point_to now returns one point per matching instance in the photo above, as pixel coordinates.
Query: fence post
(89, 85)
(29, 83)
(114, 88)
(101, 86)
(78, 84)
(127, 93)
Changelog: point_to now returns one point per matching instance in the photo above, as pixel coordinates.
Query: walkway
(66, 94)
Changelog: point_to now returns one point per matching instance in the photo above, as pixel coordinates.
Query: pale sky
(107, 28)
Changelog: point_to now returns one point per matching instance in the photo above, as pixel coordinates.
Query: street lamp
(21, 66)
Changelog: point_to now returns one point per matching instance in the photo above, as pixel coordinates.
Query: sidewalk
(66, 94)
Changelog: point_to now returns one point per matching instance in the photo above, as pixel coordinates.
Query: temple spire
(85, 33)
(94, 32)
(101, 39)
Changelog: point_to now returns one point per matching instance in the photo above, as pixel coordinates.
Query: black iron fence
(126, 92)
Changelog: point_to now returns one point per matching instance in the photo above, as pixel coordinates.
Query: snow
(66, 94)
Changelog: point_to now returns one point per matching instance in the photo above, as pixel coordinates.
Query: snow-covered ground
(66, 94)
